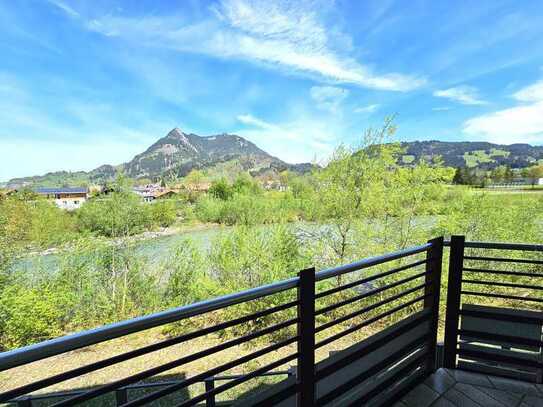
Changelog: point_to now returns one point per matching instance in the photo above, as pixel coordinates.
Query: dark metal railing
(493, 317)
(401, 293)
(311, 387)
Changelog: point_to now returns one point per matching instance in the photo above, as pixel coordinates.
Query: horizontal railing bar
(496, 357)
(222, 388)
(406, 371)
(366, 350)
(235, 376)
(370, 261)
(504, 296)
(369, 293)
(376, 368)
(503, 272)
(523, 319)
(137, 352)
(516, 340)
(370, 278)
(500, 284)
(218, 369)
(369, 308)
(178, 362)
(505, 246)
(503, 259)
(144, 386)
(79, 340)
(370, 321)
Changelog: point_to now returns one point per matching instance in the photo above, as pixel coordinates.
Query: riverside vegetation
(363, 201)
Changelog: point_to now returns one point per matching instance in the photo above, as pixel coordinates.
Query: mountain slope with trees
(175, 155)
(481, 155)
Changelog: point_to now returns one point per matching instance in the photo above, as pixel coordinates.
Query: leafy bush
(186, 269)
(29, 315)
(162, 213)
(120, 214)
(221, 189)
(104, 282)
(32, 221)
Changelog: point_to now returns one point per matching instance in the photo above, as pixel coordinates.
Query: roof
(50, 191)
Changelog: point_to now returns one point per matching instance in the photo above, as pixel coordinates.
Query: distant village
(71, 198)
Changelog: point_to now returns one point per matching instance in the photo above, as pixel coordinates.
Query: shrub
(28, 316)
(186, 270)
(221, 189)
(162, 213)
(209, 209)
(104, 282)
(121, 214)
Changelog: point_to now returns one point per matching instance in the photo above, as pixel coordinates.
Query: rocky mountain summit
(176, 154)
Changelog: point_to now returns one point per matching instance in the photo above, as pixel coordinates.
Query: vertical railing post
(210, 385)
(306, 338)
(121, 396)
(25, 401)
(434, 257)
(456, 265)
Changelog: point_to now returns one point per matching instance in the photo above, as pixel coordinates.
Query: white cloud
(302, 140)
(287, 35)
(532, 93)
(67, 9)
(466, 95)
(328, 97)
(367, 109)
(519, 124)
(255, 121)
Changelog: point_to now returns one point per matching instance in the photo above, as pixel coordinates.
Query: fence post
(456, 264)
(210, 385)
(25, 401)
(434, 257)
(306, 338)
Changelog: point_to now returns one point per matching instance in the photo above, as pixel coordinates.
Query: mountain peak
(178, 153)
(176, 132)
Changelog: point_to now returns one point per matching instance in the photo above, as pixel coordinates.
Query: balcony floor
(451, 388)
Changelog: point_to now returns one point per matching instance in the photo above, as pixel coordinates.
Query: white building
(65, 198)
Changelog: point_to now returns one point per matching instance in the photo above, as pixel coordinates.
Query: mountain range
(178, 153)
(473, 154)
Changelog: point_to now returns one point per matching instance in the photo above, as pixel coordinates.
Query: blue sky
(83, 83)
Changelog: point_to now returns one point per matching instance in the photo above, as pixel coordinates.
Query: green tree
(353, 183)
(458, 178)
(535, 173)
(221, 189)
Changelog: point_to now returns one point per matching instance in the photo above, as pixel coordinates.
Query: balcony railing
(316, 311)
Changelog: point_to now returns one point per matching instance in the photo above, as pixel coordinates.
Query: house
(151, 192)
(166, 194)
(65, 198)
(274, 185)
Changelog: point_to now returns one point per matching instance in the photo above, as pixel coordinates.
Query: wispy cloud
(467, 95)
(328, 97)
(519, 124)
(65, 8)
(367, 109)
(287, 35)
(440, 108)
(255, 121)
(306, 138)
(532, 93)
